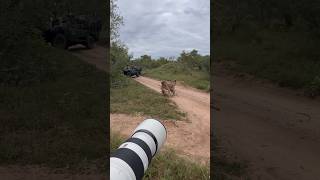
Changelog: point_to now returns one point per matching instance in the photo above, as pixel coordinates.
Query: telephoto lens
(131, 160)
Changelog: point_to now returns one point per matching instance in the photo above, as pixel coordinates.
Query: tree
(191, 59)
(116, 20)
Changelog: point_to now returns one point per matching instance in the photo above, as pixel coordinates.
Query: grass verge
(133, 98)
(177, 71)
(59, 123)
(168, 166)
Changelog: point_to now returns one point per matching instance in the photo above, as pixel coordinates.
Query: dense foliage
(190, 68)
(192, 60)
(119, 59)
(196, 61)
(119, 56)
(146, 62)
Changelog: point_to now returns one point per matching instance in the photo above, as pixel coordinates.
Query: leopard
(168, 87)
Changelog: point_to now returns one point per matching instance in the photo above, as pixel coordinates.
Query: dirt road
(272, 128)
(96, 56)
(189, 138)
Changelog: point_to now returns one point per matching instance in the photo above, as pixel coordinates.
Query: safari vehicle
(70, 30)
(132, 71)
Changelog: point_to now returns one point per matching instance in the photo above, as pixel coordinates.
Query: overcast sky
(165, 27)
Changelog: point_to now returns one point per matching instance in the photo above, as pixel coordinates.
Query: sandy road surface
(192, 138)
(275, 130)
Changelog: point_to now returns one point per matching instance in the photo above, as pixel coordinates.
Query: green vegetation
(134, 98)
(146, 62)
(168, 166)
(270, 39)
(190, 68)
(179, 72)
(61, 122)
(119, 59)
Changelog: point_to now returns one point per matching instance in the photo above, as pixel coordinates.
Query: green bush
(181, 72)
(146, 62)
(119, 60)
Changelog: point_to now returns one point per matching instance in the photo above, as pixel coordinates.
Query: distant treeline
(190, 68)
(120, 58)
(191, 59)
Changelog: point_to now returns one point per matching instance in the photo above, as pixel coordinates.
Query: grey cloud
(166, 27)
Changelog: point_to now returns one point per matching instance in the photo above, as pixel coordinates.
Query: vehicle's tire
(90, 44)
(60, 41)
